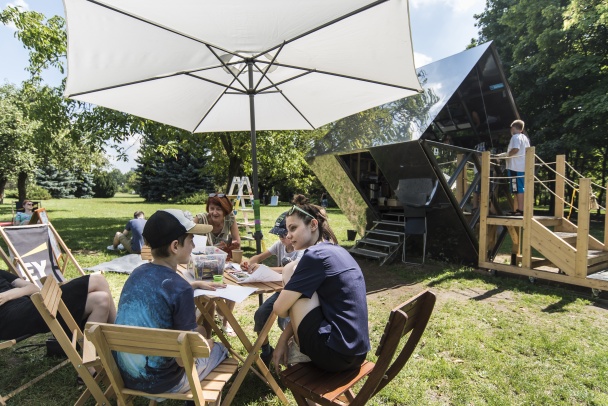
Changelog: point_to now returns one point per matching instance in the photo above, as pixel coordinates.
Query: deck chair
(49, 304)
(186, 345)
(37, 251)
(327, 388)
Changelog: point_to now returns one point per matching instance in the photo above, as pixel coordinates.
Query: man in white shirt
(516, 162)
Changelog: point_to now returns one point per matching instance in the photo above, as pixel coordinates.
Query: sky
(440, 28)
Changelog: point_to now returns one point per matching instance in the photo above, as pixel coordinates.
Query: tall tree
(556, 56)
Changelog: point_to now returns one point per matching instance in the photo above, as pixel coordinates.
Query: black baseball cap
(168, 225)
(280, 226)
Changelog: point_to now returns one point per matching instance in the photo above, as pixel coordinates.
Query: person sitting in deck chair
(88, 298)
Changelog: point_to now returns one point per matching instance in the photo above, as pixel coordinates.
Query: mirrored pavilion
(466, 104)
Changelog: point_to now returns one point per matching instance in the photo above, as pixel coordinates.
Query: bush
(192, 198)
(105, 185)
(35, 192)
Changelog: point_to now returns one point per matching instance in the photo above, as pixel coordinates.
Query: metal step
(380, 243)
(368, 253)
(391, 216)
(385, 232)
(390, 223)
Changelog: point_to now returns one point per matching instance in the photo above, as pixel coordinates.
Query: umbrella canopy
(192, 63)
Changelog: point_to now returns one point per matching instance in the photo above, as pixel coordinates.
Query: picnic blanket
(125, 264)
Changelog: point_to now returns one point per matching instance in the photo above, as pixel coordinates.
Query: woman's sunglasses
(295, 207)
(217, 195)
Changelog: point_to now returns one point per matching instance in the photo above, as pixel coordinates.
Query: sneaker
(111, 248)
(229, 331)
(121, 247)
(267, 357)
(295, 356)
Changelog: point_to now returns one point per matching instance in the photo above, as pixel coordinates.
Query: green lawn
(490, 341)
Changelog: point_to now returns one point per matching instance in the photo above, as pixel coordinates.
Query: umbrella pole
(254, 163)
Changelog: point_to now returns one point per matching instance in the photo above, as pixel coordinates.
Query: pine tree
(60, 183)
(84, 189)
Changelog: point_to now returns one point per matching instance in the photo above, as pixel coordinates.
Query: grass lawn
(490, 341)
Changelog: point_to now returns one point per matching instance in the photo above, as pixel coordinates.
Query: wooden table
(206, 304)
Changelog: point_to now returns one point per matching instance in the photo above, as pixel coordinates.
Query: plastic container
(208, 264)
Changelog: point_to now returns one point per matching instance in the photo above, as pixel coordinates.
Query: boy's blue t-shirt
(154, 296)
(332, 272)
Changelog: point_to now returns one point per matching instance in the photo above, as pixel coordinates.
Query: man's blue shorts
(517, 181)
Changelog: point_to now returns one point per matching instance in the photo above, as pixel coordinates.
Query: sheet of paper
(200, 242)
(263, 274)
(231, 292)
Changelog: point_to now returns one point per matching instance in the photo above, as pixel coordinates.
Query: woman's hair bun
(299, 200)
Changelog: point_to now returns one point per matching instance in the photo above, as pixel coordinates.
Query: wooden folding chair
(186, 345)
(327, 388)
(49, 304)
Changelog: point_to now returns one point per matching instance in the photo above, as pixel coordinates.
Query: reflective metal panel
(466, 99)
(448, 236)
(344, 192)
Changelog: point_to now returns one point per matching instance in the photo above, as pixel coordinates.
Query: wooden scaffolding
(563, 251)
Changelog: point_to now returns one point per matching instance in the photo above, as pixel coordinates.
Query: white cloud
(19, 3)
(421, 59)
(459, 6)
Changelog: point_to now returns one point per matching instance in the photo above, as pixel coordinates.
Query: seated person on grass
(134, 242)
(285, 253)
(156, 296)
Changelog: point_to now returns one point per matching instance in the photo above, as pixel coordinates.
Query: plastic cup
(237, 256)
(218, 278)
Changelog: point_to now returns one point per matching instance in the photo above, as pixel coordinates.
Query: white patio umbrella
(235, 65)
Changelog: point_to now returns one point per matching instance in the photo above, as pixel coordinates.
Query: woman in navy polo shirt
(324, 295)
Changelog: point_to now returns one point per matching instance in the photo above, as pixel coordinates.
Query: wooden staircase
(568, 253)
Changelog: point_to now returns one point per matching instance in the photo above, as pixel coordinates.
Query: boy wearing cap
(285, 253)
(156, 296)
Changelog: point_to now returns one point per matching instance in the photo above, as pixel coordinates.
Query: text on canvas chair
(38, 251)
(328, 388)
(186, 345)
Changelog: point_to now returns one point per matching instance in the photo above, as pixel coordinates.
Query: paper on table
(200, 242)
(231, 292)
(263, 274)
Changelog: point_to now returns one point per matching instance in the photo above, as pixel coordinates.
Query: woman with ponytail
(324, 295)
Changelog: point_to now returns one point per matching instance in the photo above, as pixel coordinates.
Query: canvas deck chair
(37, 251)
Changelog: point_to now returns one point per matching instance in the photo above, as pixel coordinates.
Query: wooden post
(606, 224)
(582, 232)
(560, 189)
(460, 186)
(484, 203)
(526, 241)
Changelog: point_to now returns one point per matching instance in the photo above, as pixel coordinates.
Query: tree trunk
(2, 187)
(21, 182)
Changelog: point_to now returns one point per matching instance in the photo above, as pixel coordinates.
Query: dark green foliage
(105, 185)
(172, 164)
(84, 189)
(60, 183)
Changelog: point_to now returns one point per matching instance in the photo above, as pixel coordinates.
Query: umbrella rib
(284, 81)
(274, 58)
(225, 65)
(376, 82)
(320, 27)
(162, 27)
(186, 73)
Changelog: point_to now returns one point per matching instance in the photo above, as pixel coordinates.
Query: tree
(105, 185)
(60, 183)
(181, 168)
(17, 153)
(556, 58)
